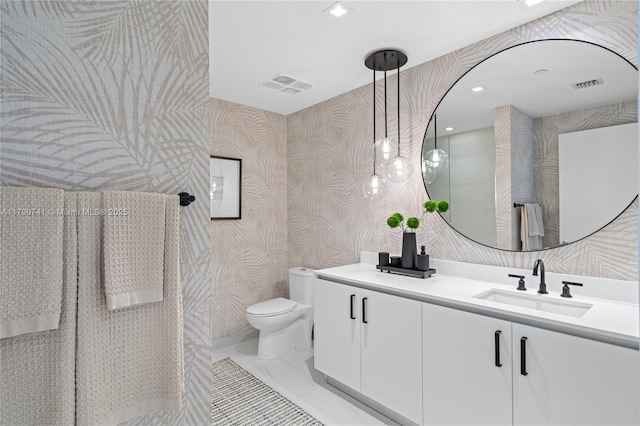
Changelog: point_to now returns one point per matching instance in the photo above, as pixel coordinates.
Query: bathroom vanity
(466, 347)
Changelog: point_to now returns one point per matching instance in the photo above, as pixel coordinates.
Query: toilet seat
(273, 307)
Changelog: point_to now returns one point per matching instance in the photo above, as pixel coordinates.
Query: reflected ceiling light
(477, 89)
(532, 2)
(448, 129)
(397, 168)
(338, 9)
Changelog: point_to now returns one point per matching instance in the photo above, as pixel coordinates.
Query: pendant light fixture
(373, 189)
(435, 160)
(387, 153)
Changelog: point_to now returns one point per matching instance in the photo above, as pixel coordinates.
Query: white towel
(133, 247)
(37, 370)
(534, 216)
(539, 219)
(530, 228)
(31, 225)
(129, 361)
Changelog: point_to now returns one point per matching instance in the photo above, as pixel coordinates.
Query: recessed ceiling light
(448, 129)
(477, 89)
(338, 9)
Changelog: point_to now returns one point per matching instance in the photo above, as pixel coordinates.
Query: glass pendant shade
(437, 159)
(373, 188)
(385, 149)
(398, 169)
(428, 174)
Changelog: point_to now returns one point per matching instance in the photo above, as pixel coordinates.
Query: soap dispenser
(423, 260)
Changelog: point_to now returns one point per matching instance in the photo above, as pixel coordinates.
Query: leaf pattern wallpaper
(250, 254)
(114, 95)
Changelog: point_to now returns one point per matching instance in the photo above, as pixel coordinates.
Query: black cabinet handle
(496, 337)
(353, 299)
(364, 310)
(523, 356)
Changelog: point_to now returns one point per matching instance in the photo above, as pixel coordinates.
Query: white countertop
(608, 320)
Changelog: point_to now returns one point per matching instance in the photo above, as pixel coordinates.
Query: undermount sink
(538, 302)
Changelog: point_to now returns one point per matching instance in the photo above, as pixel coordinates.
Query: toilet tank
(301, 285)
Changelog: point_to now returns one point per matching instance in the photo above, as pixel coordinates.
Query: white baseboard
(241, 336)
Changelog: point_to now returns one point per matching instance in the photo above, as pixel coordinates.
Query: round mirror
(542, 145)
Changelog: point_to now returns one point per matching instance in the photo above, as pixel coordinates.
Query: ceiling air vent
(588, 83)
(287, 84)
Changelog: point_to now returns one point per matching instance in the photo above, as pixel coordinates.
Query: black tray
(405, 271)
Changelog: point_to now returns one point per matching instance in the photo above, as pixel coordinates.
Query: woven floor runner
(241, 399)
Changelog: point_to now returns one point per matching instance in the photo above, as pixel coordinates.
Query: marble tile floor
(296, 379)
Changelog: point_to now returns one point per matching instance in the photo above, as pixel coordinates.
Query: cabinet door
(467, 368)
(392, 352)
(337, 332)
(572, 381)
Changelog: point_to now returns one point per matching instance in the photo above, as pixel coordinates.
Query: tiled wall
(249, 255)
(329, 151)
(104, 95)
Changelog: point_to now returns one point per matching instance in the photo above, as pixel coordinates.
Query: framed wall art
(225, 178)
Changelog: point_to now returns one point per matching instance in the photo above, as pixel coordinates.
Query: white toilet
(285, 325)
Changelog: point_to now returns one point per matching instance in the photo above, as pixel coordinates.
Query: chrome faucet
(543, 284)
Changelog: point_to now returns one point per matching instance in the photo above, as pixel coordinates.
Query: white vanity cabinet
(372, 343)
(572, 380)
(474, 372)
(467, 365)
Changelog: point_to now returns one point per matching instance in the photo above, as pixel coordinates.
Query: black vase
(409, 250)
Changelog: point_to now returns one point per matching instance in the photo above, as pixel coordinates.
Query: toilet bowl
(285, 325)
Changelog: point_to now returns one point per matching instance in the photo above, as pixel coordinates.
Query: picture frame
(225, 188)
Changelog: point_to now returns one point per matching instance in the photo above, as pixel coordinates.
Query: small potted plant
(409, 227)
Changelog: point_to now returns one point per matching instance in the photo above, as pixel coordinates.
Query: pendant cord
(435, 131)
(385, 103)
(398, 108)
(374, 121)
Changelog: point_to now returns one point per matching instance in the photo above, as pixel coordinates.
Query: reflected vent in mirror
(588, 83)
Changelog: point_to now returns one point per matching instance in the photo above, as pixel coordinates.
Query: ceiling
(538, 79)
(252, 41)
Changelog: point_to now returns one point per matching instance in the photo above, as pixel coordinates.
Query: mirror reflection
(542, 145)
